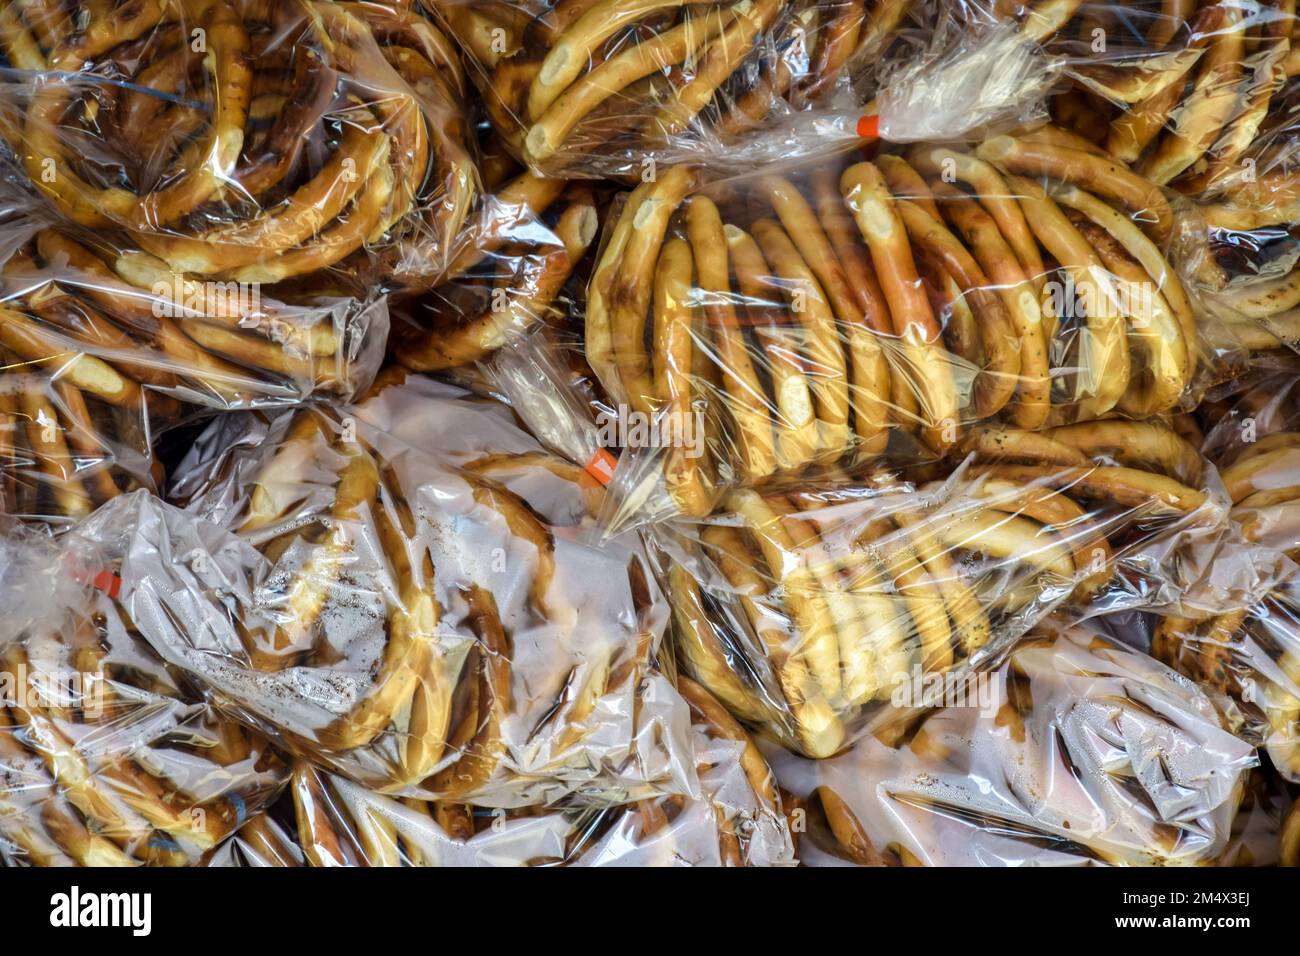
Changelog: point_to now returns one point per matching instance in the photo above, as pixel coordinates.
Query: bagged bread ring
(609, 89)
(809, 613)
(126, 330)
(1186, 93)
(1192, 97)
(245, 140)
(767, 329)
(400, 589)
(735, 820)
(1075, 751)
(1252, 310)
(1261, 480)
(106, 758)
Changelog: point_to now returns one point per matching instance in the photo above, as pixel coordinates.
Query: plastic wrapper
(1077, 751)
(1265, 506)
(1196, 97)
(106, 757)
(960, 78)
(610, 90)
(520, 252)
(816, 615)
(402, 591)
(779, 326)
(245, 141)
(1244, 652)
(734, 819)
(99, 357)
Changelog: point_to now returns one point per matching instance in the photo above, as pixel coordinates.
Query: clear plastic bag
(733, 820)
(107, 758)
(61, 454)
(128, 331)
(249, 141)
(101, 353)
(262, 843)
(1187, 94)
(1258, 828)
(780, 327)
(1077, 751)
(598, 90)
(1248, 660)
(1195, 97)
(814, 614)
(401, 590)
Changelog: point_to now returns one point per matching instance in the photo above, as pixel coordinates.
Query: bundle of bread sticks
(571, 433)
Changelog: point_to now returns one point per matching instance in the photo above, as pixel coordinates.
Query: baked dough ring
(1105, 359)
(64, 450)
(560, 82)
(417, 623)
(748, 403)
(826, 363)
(795, 419)
(1017, 290)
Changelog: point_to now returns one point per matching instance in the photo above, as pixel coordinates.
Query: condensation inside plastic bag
(105, 759)
(259, 144)
(1086, 752)
(583, 708)
(598, 92)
